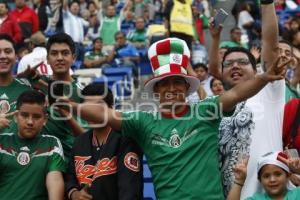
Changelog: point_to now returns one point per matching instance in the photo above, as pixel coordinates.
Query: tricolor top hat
(170, 57)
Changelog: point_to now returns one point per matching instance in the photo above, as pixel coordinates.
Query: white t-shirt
(244, 18)
(254, 128)
(194, 97)
(38, 54)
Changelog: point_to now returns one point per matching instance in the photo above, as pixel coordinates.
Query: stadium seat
(117, 84)
(148, 183)
(127, 74)
(76, 65)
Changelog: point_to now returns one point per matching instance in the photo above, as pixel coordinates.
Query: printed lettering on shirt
(132, 162)
(86, 173)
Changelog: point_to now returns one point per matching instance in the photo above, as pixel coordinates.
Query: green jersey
(182, 152)
(109, 27)
(290, 195)
(8, 99)
(25, 163)
(60, 128)
(290, 92)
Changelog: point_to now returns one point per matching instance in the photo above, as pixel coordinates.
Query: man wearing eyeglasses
(255, 127)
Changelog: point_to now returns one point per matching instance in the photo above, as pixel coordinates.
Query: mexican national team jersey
(24, 165)
(58, 127)
(8, 99)
(182, 153)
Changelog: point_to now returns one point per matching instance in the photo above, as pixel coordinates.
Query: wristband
(239, 184)
(71, 192)
(265, 2)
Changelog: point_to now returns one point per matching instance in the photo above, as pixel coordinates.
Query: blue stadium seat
(117, 84)
(76, 65)
(126, 27)
(127, 84)
(148, 183)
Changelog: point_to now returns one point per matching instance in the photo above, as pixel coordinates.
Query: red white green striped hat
(170, 57)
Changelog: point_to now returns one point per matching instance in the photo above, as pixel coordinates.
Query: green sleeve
(57, 162)
(134, 125)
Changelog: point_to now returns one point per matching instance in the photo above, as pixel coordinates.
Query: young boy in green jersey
(31, 163)
(273, 173)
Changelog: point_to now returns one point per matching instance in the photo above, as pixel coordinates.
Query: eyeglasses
(241, 62)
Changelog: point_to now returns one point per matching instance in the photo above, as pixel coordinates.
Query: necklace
(96, 141)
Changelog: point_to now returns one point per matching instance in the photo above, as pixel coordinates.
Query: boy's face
(30, 119)
(201, 73)
(60, 58)
(274, 180)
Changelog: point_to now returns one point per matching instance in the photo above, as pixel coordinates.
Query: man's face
(237, 68)
(120, 39)
(30, 119)
(201, 73)
(140, 24)
(74, 8)
(7, 57)
(110, 11)
(98, 45)
(274, 180)
(60, 58)
(236, 35)
(171, 90)
(285, 51)
(3, 10)
(20, 3)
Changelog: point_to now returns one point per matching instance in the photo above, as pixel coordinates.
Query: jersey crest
(4, 106)
(132, 162)
(23, 158)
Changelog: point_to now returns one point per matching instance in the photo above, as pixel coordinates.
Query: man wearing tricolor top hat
(180, 140)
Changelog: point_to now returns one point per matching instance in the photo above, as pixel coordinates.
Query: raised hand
(30, 72)
(240, 171)
(255, 51)
(294, 165)
(4, 121)
(214, 32)
(277, 70)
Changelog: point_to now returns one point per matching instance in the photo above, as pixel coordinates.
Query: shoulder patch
(132, 162)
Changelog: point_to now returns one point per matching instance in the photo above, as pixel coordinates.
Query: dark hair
(119, 33)
(99, 89)
(287, 43)
(72, 2)
(212, 82)
(9, 39)
(91, 2)
(234, 29)
(242, 50)
(61, 38)
(98, 38)
(5, 3)
(200, 65)
(31, 97)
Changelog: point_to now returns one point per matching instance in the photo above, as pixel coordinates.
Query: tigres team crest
(23, 158)
(4, 106)
(132, 162)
